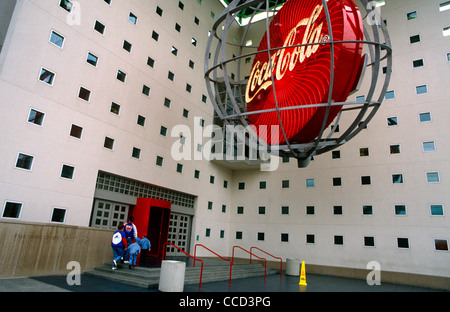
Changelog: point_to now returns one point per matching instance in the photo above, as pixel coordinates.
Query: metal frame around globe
(228, 96)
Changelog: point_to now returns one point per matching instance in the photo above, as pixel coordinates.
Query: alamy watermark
(74, 276)
(374, 276)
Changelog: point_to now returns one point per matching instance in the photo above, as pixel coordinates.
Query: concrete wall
(34, 249)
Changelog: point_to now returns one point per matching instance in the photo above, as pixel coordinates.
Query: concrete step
(149, 277)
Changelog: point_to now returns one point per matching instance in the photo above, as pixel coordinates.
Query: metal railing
(265, 260)
(281, 260)
(231, 262)
(195, 259)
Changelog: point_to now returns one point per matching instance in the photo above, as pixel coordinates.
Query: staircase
(149, 277)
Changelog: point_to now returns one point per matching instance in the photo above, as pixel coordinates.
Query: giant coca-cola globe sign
(296, 81)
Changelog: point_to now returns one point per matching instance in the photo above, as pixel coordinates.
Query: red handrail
(265, 260)
(195, 259)
(231, 262)
(281, 260)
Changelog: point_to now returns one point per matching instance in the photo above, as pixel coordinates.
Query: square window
(67, 172)
(309, 182)
(167, 102)
(337, 181)
(194, 41)
(109, 143)
(390, 95)
(155, 36)
(260, 236)
(394, 149)
(197, 175)
(365, 180)
(336, 154)
(392, 121)
(92, 59)
(212, 179)
(171, 76)
(151, 62)
(115, 108)
(425, 117)
(46, 76)
(422, 89)
(159, 11)
(400, 210)
(284, 237)
(127, 46)
(285, 184)
(241, 185)
(441, 245)
(208, 233)
(414, 39)
(238, 235)
(310, 210)
(188, 88)
(181, 5)
(12, 210)
(146, 90)
(437, 210)
(432, 177)
(174, 51)
(225, 184)
(402, 242)
(337, 210)
(411, 15)
(159, 161)
(338, 240)
(76, 131)
(141, 120)
(84, 94)
(444, 6)
(364, 151)
(121, 76)
(136, 153)
(240, 210)
(397, 178)
(132, 18)
(191, 64)
(66, 5)
(58, 215)
(446, 31)
(367, 210)
(196, 20)
(163, 131)
(285, 210)
(310, 238)
(429, 146)
(24, 161)
(369, 241)
(36, 117)
(177, 27)
(99, 27)
(418, 63)
(262, 185)
(179, 168)
(185, 113)
(57, 39)
(261, 210)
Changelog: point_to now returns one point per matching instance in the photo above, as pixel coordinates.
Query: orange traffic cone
(303, 275)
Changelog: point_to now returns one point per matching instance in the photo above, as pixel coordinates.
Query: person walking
(119, 244)
(134, 251)
(130, 230)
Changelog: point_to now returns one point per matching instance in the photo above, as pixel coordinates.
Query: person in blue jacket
(134, 250)
(119, 244)
(145, 247)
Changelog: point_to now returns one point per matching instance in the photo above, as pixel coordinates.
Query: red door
(151, 217)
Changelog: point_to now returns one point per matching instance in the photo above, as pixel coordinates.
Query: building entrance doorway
(151, 217)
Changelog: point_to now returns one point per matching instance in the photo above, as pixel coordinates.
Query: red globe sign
(295, 70)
